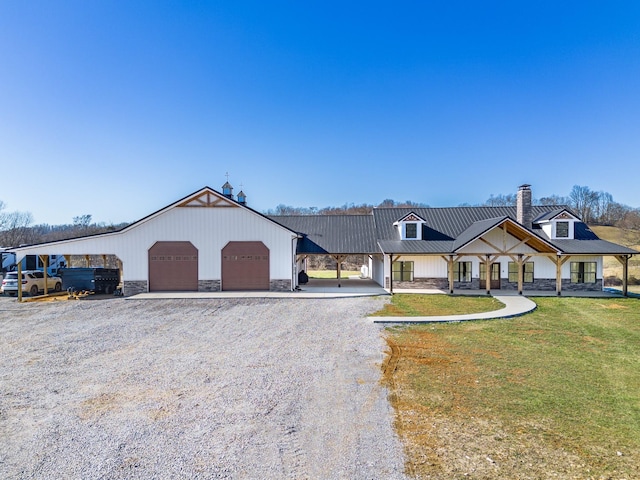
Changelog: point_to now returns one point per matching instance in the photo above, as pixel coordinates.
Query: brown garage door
(245, 266)
(173, 266)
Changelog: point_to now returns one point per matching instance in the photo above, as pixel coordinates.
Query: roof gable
(556, 214)
(411, 217)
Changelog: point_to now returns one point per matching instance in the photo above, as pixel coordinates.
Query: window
(403, 271)
(583, 272)
(411, 230)
(562, 229)
(462, 272)
(527, 272)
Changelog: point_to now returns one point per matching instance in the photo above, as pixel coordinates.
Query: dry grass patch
(555, 393)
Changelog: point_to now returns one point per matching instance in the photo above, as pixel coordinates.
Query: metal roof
(447, 222)
(336, 234)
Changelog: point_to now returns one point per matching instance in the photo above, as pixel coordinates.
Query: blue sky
(118, 108)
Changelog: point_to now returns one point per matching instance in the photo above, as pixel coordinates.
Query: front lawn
(416, 305)
(555, 393)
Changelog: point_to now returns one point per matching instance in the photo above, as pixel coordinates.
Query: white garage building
(206, 241)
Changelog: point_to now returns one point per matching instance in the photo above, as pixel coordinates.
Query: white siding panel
(497, 238)
(376, 266)
(427, 266)
(209, 229)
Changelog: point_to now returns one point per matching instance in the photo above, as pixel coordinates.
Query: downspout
(294, 276)
(391, 273)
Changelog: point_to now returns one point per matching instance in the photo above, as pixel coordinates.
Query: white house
(209, 241)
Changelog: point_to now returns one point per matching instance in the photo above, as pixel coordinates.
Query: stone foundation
(134, 287)
(208, 285)
(582, 287)
(539, 284)
(426, 283)
(474, 284)
(280, 286)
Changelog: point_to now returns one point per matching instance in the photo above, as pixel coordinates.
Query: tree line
(593, 207)
(16, 228)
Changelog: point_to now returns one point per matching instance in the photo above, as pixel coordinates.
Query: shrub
(612, 281)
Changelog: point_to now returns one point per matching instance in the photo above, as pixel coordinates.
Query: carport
(338, 236)
(43, 251)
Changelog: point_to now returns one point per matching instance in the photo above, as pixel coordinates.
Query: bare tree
(554, 200)
(583, 201)
(501, 200)
(14, 228)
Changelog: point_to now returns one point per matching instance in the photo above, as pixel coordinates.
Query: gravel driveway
(240, 388)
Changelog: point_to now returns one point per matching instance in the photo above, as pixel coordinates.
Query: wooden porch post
(20, 281)
(487, 273)
(560, 261)
(339, 259)
(624, 260)
(451, 264)
(104, 261)
(45, 261)
(520, 274)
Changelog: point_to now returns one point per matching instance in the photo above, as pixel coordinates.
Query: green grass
(565, 378)
(416, 305)
(332, 273)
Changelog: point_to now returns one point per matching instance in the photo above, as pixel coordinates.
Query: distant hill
(628, 238)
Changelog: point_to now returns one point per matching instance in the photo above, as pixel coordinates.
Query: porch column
(339, 259)
(104, 261)
(450, 272)
(624, 260)
(487, 273)
(625, 276)
(559, 262)
(520, 274)
(19, 279)
(45, 261)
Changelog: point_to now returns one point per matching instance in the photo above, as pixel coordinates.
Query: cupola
(227, 190)
(242, 198)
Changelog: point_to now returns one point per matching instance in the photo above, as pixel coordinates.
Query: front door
(495, 276)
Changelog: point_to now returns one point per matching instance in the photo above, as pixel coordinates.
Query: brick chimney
(524, 215)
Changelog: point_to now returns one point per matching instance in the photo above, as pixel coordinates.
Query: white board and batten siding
(209, 229)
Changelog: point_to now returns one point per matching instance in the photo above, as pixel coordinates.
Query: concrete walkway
(514, 306)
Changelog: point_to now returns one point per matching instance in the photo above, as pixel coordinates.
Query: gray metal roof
(445, 230)
(553, 213)
(447, 222)
(475, 230)
(337, 234)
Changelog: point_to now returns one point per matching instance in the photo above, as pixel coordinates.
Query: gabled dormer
(558, 225)
(410, 227)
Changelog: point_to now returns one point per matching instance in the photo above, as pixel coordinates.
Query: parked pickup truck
(32, 283)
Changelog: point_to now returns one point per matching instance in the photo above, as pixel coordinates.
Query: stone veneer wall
(474, 284)
(539, 284)
(280, 285)
(582, 287)
(134, 287)
(428, 283)
(208, 285)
